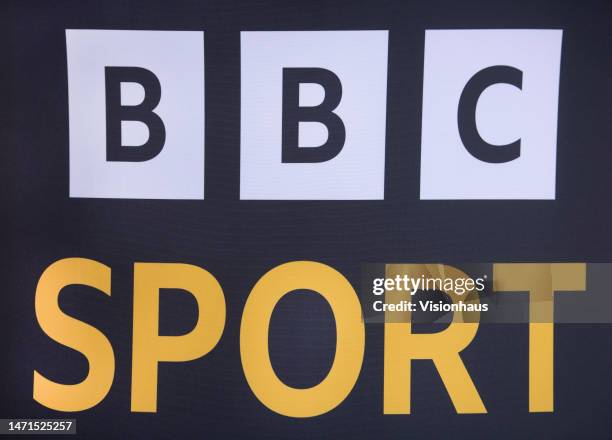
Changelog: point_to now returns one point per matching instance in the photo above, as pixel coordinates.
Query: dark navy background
(238, 241)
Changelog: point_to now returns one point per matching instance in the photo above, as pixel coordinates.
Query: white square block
(359, 60)
(504, 114)
(176, 58)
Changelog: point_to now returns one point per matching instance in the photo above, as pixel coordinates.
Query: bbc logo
(313, 114)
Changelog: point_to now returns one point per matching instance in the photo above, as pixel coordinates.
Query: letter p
(149, 347)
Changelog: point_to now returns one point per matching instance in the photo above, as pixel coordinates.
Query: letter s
(75, 334)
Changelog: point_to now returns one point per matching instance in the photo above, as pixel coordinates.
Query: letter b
(293, 114)
(116, 112)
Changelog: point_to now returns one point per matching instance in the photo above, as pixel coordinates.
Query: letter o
(350, 339)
